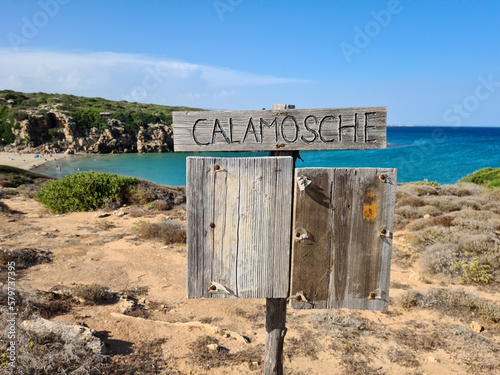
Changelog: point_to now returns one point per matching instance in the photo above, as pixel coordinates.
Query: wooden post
(275, 335)
(276, 307)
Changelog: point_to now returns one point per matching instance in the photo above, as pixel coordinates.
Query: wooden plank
(339, 216)
(312, 238)
(286, 129)
(238, 234)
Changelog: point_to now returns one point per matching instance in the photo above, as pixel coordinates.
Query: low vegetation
(488, 177)
(168, 231)
(454, 228)
(455, 303)
(85, 191)
(451, 233)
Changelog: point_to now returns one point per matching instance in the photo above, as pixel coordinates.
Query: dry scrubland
(118, 280)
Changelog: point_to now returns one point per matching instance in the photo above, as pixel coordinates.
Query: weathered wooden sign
(342, 229)
(240, 232)
(288, 129)
(238, 227)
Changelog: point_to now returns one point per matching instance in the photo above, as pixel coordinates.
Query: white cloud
(131, 77)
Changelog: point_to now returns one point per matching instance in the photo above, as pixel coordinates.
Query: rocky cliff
(55, 130)
(37, 122)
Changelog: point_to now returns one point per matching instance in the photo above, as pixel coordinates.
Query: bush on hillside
(487, 176)
(84, 191)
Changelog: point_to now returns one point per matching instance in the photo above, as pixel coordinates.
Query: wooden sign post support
(276, 307)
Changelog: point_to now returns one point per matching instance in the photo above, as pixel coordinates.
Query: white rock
(67, 332)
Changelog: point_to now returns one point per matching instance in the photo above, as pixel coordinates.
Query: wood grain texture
(287, 129)
(238, 227)
(339, 257)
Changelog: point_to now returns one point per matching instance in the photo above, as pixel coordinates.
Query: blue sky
(429, 62)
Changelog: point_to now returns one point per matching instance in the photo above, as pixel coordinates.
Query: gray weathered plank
(338, 220)
(238, 227)
(288, 129)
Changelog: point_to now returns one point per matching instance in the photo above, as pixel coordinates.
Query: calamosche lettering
(287, 129)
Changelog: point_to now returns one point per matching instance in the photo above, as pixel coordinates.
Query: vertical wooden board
(343, 195)
(235, 238)
(225, 235)
(250, 283)
(365, 251)
(282, 210)
(197, 178)
(361, 204)
(311, 238)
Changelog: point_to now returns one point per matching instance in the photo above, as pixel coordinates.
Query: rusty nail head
(382, 177)
(217, 167)
(298, 234)
(298, 298)
(372, 295)
(212, 225)
(213, 288)
(383, 232)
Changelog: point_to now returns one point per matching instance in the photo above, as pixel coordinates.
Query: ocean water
(440, 154)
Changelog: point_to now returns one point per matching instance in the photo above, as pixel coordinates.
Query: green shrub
(6, 125)
(84, 191)
(487, 176)
(474, 271)
(88, 118)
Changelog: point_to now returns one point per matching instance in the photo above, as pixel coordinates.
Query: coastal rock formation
(51, 127)
(55, 130)
(155, 138)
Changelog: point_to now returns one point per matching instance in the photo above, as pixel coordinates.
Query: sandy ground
(26, 161)
(86, 251)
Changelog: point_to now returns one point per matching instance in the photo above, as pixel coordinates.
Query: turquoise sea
(440, 154)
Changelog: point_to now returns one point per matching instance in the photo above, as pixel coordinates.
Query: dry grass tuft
(416, 341)
(444, 203)
(410, 201)
(93, 293)
(493, 195)
(440, 258)
(147, 358)
(305, 346)
(455, 303)
(431, 235)
(169, 231)
(410, 213)
(418, 189)
(4, 208)
(404, 358)
(24, 258)
(205, 358)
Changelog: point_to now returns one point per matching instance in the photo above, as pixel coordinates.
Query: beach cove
(437, 154)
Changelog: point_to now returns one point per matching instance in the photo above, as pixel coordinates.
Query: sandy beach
(27, 161)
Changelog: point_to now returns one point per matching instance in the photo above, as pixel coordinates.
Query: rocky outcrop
(155, 138)
(55, 130)
(51, 127)
(69, 333)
